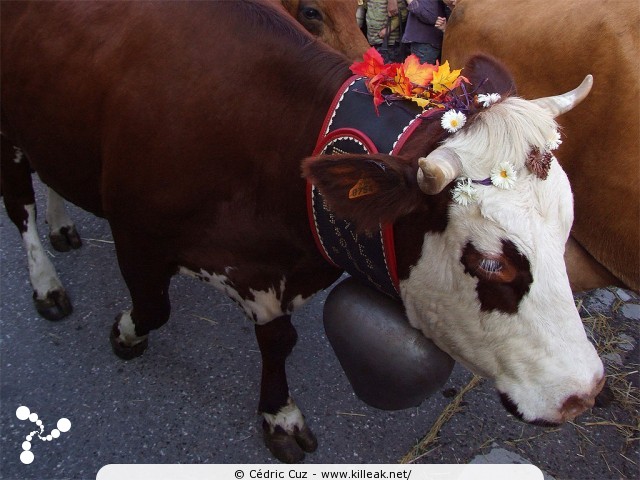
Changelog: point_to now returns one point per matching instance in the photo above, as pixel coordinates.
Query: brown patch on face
(410, 230)
(503, 280)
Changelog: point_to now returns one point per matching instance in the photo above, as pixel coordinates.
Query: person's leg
(426, 52)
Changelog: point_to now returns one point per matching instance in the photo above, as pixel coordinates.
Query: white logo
(23, 413)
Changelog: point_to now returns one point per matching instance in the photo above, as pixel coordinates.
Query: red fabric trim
(332, 108)
(345, 132)
(322, 142)
(387, 229)
(390, 254)
(318, 148)
(405, 135)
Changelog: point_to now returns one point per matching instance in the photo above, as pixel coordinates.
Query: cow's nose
(577, 404)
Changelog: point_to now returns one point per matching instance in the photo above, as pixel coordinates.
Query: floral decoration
(554, 142)
(464, 193)
(429, 86)
(539, 161)
(452, 121)
(488, 99)
(503, 175)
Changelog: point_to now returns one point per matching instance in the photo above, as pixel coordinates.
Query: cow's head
(484, 276)
(333, 22)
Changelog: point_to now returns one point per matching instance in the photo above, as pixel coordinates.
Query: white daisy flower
(464, 192)
(503, 175)
(452, 121)
(554, 142)
(488, 99)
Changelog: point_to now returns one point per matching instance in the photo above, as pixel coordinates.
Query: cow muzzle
(571, 407)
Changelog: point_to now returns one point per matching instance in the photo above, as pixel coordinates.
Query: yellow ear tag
(364, 186)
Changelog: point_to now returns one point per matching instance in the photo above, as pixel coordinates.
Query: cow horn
(438, 169)
(559, 104)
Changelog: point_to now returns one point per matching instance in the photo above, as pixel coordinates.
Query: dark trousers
(393, 53)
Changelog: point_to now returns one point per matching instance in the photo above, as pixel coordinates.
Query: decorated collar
(354, 125)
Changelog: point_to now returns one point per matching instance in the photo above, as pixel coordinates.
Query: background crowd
(397, 28)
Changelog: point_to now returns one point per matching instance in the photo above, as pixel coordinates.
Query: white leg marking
(56, 214)
(289, 418)
(128, 330)
(42, 274)
(265, 305)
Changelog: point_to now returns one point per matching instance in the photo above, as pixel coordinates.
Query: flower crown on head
(503, 175)
(432, 87)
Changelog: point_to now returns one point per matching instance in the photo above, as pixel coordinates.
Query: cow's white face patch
(492, 289)
(264, 306)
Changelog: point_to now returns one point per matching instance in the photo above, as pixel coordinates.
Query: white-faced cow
(189, 140)
(601, 144)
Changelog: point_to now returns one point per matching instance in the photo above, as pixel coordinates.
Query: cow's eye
(311, 13)
(490, 266)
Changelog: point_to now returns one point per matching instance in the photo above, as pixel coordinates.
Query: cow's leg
(62, 231)
(285, 432)
(50, 298)
(147, 276)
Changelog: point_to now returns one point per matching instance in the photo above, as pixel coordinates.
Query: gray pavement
(192, 397)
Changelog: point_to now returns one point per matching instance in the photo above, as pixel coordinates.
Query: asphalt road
(192, 397)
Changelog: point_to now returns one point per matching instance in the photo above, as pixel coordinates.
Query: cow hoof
(286, 447)
(55, 306)
(65, 239)
(123, 351)
(306, 439)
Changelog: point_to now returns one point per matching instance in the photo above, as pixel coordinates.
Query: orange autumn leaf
(376, 85)
(444, 79)
(371, 65)
(420, 74)
(427, 85)
(401, 84)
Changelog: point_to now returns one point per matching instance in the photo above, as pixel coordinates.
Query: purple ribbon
(487, 182)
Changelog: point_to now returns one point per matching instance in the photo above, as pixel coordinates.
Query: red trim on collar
(334, 105)
(312, 225)
(345, 132)
(321, 144)
(324, 138)
(390, 254)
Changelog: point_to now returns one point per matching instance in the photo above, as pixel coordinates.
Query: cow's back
(549, 48)
(170, 102)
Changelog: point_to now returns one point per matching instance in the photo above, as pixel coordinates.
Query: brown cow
(189, 141)
(549, 48)
(332, 21)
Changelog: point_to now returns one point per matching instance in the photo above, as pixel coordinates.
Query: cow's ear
(491, 75)
(366, 189)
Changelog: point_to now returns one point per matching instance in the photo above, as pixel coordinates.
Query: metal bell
(390, 364)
